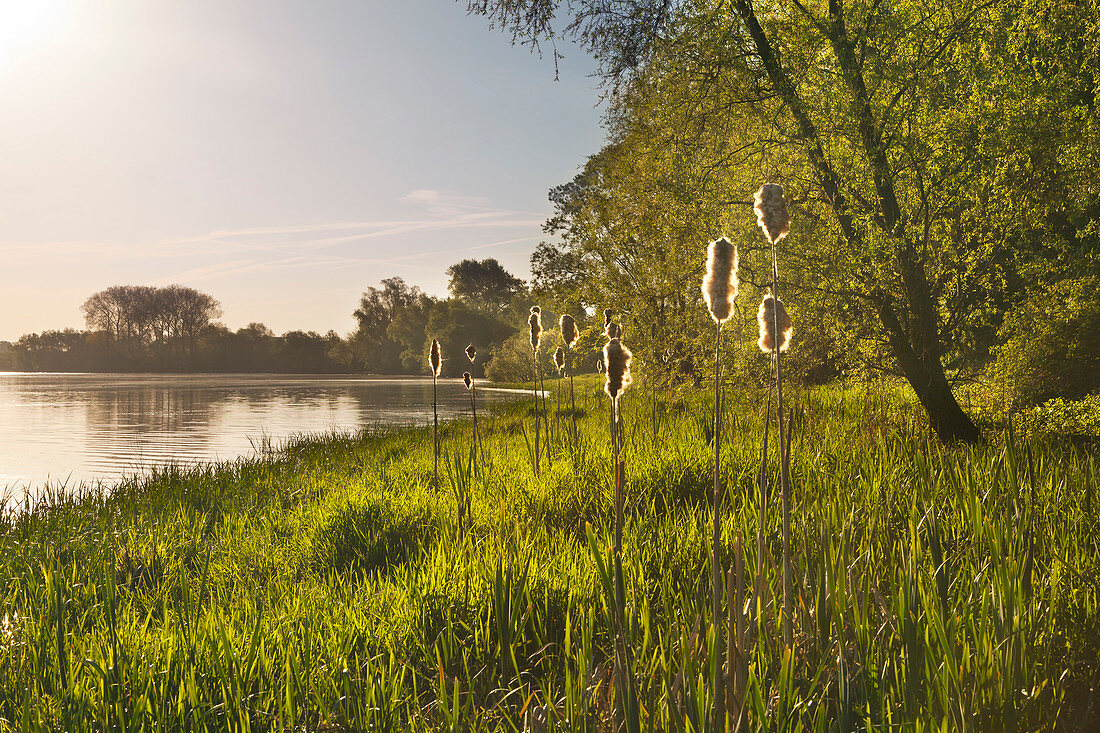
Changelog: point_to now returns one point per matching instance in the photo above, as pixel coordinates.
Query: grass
(329, 586)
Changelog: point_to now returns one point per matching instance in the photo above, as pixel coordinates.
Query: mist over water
(81, 428)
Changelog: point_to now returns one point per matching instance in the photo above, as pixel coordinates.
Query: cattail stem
(535, 363)
(626, 695)
(716, 539)
(736, 662)
(784, 475)
(572, 396)
(435, 427)
(477, 433)
(545, 415)
(761, 583)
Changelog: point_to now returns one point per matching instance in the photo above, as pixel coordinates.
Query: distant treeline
(175, 329)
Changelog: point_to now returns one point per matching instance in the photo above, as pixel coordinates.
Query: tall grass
(324, 587)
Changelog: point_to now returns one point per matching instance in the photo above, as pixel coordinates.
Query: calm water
(73, 428)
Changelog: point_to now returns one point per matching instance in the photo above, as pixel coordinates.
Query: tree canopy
(483, 283)
(940, 159)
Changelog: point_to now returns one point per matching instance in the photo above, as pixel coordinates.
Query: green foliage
(931, 183)
(1052, 345)
(484, 283)
(1080, 418)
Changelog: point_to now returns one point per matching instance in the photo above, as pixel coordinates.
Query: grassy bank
(329, 586)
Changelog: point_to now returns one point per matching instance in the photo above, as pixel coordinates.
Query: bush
(1079, 418)
(1051, 345)
(512, 362)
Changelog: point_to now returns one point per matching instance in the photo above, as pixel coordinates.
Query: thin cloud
(224, 253)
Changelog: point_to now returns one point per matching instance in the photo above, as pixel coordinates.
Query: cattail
(434, 360)
(766, 318)
(617, 359)
(720, 282)
(599, 366)
(569, 332)
(535, 322)
(559, 359)
(771, 212)
(719, 291)
(471, 352)
(612, 330)
(467, 379)
(607, 313)
(536, 309)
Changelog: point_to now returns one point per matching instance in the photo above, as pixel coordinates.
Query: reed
(559, 364)
(471, 354)
(617, 358)
(774, 220)
(719, 292)
(435, 362)
(468, 380)
(569, 335)
(534, 321)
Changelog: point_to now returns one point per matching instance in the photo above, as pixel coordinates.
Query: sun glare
(28, 25)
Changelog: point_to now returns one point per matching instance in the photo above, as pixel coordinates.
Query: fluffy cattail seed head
(559, 359)
(471, 352)
(468, 380)
(569, 332)
(434, 359)
(772, 310)
(607, 313)
(613, 331)
(599, 365)
(720, 282)
(771, 212)
(617, 357)
(535, 321)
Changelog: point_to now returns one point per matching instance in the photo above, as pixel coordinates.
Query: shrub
(511, 361)
(1080, 418)
(1051, 345)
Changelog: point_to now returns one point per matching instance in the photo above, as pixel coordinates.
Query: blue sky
(281, 155)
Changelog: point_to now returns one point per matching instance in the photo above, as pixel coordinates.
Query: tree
(483, 283)
(372, 341)
(890, 125)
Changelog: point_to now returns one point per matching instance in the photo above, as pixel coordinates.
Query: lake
(85, 428)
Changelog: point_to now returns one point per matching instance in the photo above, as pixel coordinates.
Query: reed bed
(326, 586)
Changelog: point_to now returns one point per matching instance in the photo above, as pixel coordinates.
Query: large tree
(374, 341)
(483, 283)
(902, 131)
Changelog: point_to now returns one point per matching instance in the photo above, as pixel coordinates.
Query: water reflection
(76, 428)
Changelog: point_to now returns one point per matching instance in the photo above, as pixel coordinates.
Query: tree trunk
(925, 374)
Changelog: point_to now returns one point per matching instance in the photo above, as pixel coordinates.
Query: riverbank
(330, 585)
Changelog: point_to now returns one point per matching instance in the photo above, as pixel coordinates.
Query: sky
(281, 155)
